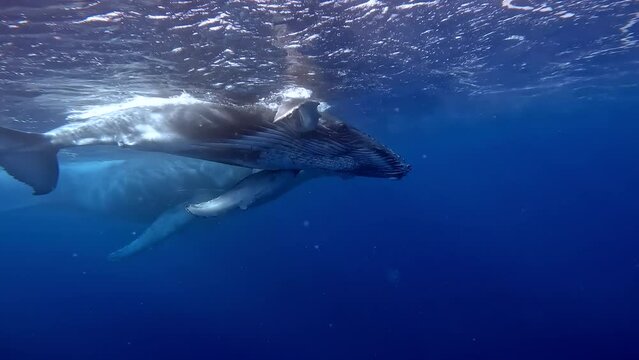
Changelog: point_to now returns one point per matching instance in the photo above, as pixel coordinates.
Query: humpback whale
(135, 189)
(295, 137)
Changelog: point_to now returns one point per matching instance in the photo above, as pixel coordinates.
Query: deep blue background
(515, 237)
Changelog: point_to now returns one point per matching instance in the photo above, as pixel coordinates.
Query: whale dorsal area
(302, 113)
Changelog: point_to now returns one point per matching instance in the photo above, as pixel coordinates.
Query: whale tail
(30, 158)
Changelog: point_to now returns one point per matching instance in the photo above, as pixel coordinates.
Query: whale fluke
(30, 158)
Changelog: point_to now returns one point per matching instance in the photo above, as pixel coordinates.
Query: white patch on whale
(95, 111)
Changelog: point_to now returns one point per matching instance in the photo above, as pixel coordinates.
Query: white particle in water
(516, 37)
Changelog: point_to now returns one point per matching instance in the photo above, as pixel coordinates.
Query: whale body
(297, 137)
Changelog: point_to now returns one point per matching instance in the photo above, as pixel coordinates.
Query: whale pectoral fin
(164, 226)
(216, 207)
(255, 189)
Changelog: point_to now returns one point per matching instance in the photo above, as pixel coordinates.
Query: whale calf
(147, 188)
(295, 137)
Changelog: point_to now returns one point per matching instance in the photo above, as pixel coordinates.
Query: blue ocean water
(513, 237)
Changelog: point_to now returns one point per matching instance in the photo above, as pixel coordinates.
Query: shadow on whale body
(152, 189)
(295, 137)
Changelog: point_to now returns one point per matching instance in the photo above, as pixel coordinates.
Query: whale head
(330, 145)
(365, 156)
(296, 137)
(337, 144)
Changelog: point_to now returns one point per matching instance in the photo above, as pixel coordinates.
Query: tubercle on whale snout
(406, 168)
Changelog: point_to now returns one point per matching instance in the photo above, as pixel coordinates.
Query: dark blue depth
(515, 237)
